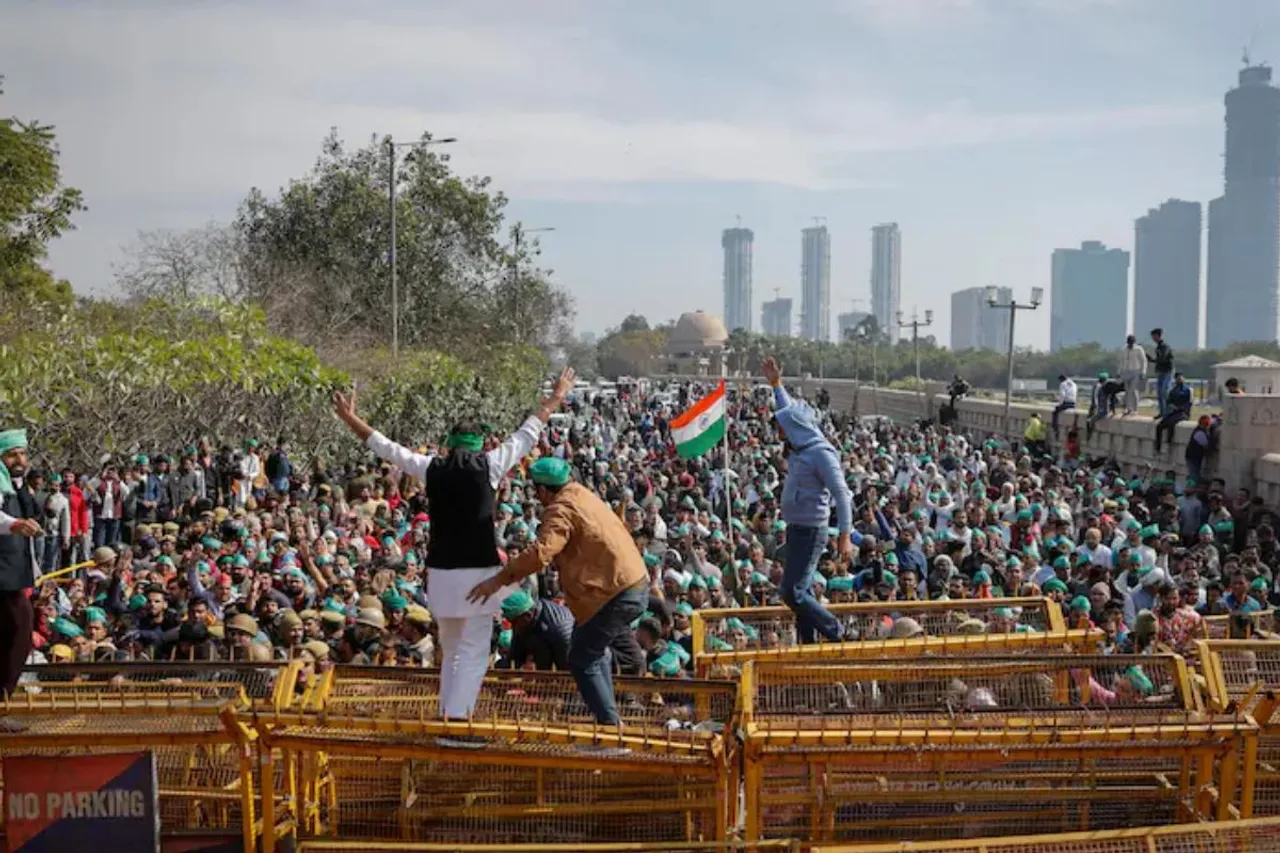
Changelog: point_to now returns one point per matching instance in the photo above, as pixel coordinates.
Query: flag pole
(728, 488)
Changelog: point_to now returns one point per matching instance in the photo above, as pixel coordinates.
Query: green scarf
(465, 440)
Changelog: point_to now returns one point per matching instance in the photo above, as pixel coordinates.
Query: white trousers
(464, 644)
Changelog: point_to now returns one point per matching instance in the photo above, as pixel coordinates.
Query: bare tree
(183, 265)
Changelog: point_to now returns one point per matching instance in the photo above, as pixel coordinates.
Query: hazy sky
(993, 131)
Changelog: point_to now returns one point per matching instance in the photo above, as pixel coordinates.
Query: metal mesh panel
(1243, 663)
(775, 627)
(258, 679)
(321, 846)
(199, 784)
(394, 787)
(979, 794)
(882, 693)
(548, 697)
(1250, 836)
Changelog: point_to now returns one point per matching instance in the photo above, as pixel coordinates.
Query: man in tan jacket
(602, 575)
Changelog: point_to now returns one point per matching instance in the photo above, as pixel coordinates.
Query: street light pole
(392, 145)
(516, 233)
(915, 325)
(1013, 306)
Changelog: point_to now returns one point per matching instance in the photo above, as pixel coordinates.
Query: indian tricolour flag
(702, 427)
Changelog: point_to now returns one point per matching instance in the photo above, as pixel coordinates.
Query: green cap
(549, 471)
(1061, 563)
(1080, 604)
(891, 559)
(684, 608)
(211, 543)
(516, 604)
(12, 439)
(840, 583)
(1054, 585)
(95, 616)
(981, 577)
(66, 627)
(666, 665)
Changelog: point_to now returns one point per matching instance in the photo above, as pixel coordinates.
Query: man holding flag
(814, 482)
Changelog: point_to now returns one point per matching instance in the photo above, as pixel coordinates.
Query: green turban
(10, 439)
(516, 604)
(549, 471)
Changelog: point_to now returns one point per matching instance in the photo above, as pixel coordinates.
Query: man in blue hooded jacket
(814, 484)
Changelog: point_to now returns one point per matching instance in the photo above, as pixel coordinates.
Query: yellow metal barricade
(1243, 676)
(875, 751)
(364, 762)
(727, 664)
(727, 637)
(201, 767)
(1219, 627)
(205, 769)
(631, 847)
(1238, 836)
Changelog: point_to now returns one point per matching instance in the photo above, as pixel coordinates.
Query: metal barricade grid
(874, 751)
(1243, 836)
(549, 697)
(755, 628)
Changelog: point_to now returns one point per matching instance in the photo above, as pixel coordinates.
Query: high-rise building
(886, 277)
(1244, 223)
(736, 243)
(848, 321)
(815, 284)
(1166, 272)
(775, 318)
(1089, 302)
(975, 324)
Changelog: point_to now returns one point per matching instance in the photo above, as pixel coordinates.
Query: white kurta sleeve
(413, 464)
(6, 523)
(507, 455)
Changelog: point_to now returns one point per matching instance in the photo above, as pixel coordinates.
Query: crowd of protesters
(246, 553)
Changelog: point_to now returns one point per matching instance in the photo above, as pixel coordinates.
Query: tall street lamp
(1013, 306)
(915, 325)
(517, 234)
(392, 145)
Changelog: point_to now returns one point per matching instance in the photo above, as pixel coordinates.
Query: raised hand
(772, 372)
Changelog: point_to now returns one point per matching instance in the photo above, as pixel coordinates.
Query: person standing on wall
(1133, 373)
(461, 488)
(1066, 399)
(814, 485)
(18, 529)
(1162, 360)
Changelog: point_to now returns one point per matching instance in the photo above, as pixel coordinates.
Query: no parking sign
(104, 803)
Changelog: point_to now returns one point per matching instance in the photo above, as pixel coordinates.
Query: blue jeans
(1163, 381)
(803, 548)
(52, 559)
(589, 650)
(106, 531)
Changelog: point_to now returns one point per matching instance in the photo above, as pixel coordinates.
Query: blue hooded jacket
(814, 480)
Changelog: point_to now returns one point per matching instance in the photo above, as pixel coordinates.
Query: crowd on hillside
(243, 553)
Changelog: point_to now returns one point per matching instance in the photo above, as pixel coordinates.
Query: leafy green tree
(316, 256)
(35, 208)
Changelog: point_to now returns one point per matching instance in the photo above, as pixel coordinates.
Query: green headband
(472, 441)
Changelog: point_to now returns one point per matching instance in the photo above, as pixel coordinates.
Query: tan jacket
(591, 547)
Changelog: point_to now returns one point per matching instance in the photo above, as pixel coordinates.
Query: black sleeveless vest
(17, 560)
(462, 502)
